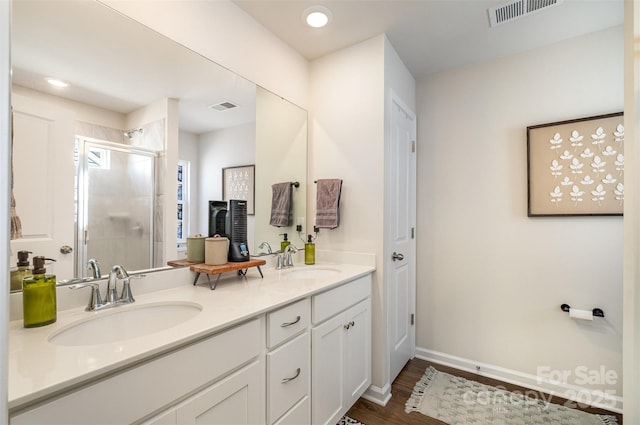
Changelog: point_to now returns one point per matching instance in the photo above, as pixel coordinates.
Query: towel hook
(295, 184)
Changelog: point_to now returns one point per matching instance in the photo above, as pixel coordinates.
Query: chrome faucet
(120, 273)
(117, 272)
(112, 299)
(288, 257)
(94, 266)
(265, 245)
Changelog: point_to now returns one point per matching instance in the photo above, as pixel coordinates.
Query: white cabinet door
(327, 371)
(236, 400)
(358, 352)
(341, 365)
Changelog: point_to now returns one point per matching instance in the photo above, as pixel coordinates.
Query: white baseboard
(378, 395)
(571, 392)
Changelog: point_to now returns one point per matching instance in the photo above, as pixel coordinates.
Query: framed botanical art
(239, 183)
(576, 167)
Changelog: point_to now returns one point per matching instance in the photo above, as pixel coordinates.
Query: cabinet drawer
(334, 301)
(286, 322)
(288, 376)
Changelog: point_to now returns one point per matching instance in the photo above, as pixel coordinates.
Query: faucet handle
(291, 248)
(117, 272)
(95, 301)
(126, 296)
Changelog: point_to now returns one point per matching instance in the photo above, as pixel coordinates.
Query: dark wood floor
(393, 413)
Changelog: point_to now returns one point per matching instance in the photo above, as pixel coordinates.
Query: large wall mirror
(121, 163)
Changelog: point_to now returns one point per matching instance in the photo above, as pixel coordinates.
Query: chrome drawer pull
(284, 325)
(285, 380)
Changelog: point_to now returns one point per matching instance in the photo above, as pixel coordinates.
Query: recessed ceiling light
(317, 16)
(57, 83)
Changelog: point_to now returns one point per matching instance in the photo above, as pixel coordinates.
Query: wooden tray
(218, 270)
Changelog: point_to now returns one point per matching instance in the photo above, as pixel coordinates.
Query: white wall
(5, 161)
(397, 77)
(82, 111)
(189, 150)
(347, 142)
(221, 31)
(281, 156)
(490, 279)
(219, 149)
(631, 294)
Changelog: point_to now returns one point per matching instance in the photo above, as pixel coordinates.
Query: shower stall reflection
(115, 202)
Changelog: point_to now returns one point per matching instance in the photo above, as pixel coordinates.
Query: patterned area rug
(349, 421)
(458, 401)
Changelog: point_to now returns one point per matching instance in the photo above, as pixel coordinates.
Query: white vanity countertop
(38, 368)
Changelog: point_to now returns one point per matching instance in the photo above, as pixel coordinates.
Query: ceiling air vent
(517, 9)
(223, 106)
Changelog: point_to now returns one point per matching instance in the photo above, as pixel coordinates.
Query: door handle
(66, 249)
(397, 256)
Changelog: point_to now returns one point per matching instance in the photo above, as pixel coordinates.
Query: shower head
(130, 133)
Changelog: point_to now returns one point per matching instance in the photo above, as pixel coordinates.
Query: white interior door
(400, 247)
(43, 144)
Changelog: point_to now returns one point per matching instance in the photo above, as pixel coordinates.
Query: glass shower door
(116, 200)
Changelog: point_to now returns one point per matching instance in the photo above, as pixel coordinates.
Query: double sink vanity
(293, 347)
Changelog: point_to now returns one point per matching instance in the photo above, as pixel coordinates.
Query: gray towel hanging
(281, 203)
(328, 203)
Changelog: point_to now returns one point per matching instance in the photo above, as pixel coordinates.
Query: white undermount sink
(126, 322)
(312, 272)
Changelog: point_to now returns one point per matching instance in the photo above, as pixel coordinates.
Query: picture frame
(576, 167)
(239, 183)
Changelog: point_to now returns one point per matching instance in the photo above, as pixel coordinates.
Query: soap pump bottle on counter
(21, 272)
(309, 251)
(285, 242)
(39, 296)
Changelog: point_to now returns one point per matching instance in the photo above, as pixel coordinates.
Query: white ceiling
(120, 70)
(431, 35)
(126, 69)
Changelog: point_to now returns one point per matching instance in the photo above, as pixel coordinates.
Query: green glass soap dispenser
(21, 272)
(309, 251)
(285, 242)
(39, 296)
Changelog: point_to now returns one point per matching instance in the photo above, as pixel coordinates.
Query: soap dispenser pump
(39, 296)
(285, 242)
(309, 251)
(21, 272)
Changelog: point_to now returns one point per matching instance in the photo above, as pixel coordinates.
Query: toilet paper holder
(597, 312)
